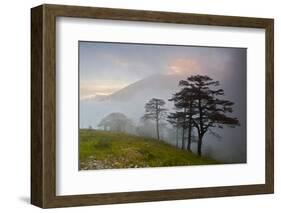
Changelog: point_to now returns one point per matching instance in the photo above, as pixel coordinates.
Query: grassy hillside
(104, 150)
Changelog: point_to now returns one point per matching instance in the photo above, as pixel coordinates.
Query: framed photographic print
(136, 106)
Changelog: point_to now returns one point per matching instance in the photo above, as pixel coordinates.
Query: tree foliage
(115, 121)
(202, 107)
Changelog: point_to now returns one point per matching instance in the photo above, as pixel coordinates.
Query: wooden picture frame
(43, 105)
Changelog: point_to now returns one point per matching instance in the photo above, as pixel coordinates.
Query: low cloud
(92, 89)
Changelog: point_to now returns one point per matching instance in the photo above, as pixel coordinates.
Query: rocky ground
(93, 163)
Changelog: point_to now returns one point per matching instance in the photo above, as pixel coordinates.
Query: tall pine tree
(185, 101)
(211, 111)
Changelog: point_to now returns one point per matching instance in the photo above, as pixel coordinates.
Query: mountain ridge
(154, 84)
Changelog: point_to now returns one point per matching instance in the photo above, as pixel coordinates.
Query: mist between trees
(199, 108)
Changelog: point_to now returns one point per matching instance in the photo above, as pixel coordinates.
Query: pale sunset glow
(184, 66)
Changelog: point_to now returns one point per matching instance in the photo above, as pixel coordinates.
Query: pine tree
(184, 100)
(154, 110)
(211, 111)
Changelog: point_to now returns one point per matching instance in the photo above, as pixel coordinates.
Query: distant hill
(129, 100)
(155, 85)
(105, 150)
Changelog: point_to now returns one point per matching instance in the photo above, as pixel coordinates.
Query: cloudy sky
(107, 67)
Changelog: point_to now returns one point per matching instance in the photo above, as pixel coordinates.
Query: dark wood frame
(43, 105)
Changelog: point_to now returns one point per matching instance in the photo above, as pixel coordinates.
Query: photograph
(161, 105)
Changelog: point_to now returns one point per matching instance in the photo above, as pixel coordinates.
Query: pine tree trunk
(189, 127)
(177, 137)
(189, 139)
(157, 129)
(182, 139)
(157, 121)
(183, 131)
(199, 147)
(200, 135)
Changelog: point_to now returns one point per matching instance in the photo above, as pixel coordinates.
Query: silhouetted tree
(210, 110)
(185, 100)
(154, 110)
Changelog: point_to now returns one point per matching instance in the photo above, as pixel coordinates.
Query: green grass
(102, 149)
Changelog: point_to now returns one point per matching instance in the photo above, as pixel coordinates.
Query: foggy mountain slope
(155, 85)
(129, 100)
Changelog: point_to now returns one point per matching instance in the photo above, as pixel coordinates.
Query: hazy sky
(108, 67)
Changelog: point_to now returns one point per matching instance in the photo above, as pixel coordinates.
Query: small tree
(154, 110)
